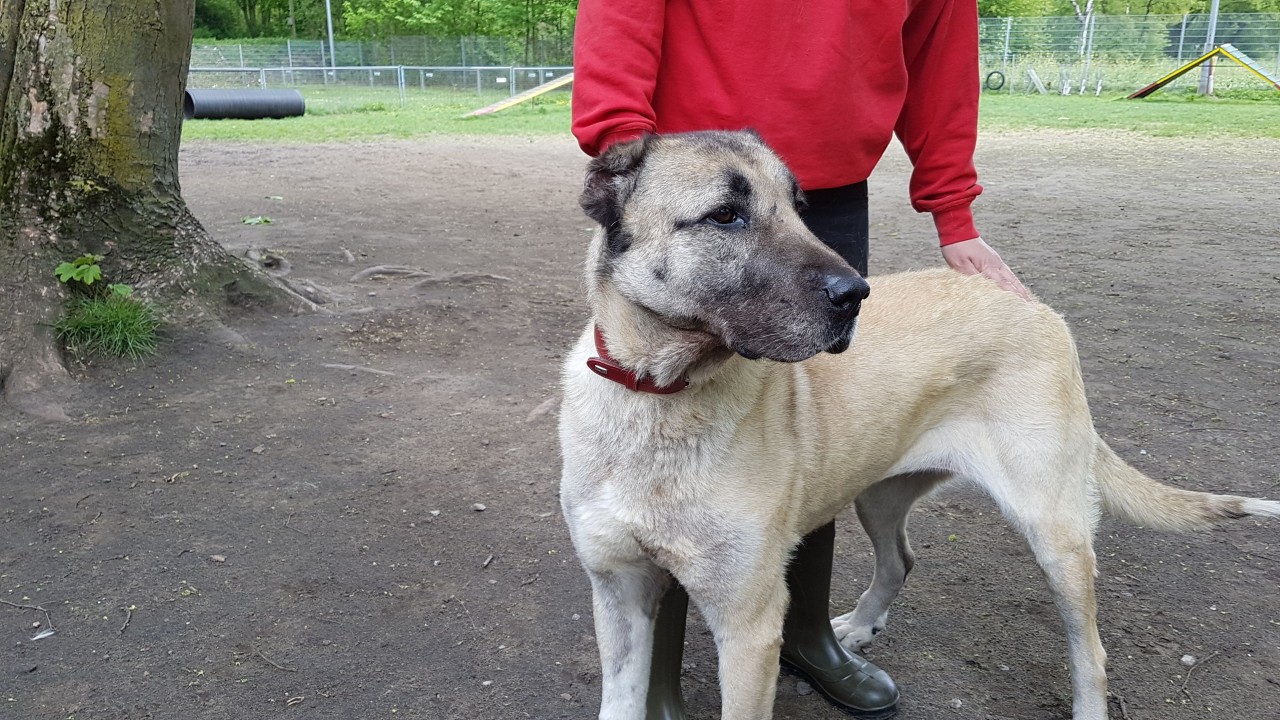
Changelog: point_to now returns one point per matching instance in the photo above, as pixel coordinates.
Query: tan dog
(702, 271)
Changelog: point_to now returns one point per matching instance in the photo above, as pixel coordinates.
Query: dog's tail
(1129, 495)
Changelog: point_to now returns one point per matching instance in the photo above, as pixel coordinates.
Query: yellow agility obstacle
(1225, 50)
(533, 92)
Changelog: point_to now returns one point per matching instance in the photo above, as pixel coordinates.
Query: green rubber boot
(810, 648)
(664, 701)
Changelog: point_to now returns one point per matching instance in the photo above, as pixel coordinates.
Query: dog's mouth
(844, 338)
(844, 341)
(840, 345)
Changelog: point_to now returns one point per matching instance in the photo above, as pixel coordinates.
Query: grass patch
(359, 114)
(110, 325)
(338, 114)
(1244, 114)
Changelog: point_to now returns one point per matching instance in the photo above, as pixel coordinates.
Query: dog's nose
(846, 291)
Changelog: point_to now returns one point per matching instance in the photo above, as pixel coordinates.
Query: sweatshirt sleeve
(938, 125)
(617, 45)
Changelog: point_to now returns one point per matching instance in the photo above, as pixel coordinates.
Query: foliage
(1015, 8)
(257, 18)
(104, 320)
(218, 19)
(383, 18)
(522, 19)
(115, 324)
(84, 270)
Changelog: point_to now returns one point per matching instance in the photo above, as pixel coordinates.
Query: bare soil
(288, 523)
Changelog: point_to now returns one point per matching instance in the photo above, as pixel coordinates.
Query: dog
(737, 424)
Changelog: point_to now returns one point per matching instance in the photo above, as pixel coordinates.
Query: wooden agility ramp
(529, 94)
(1226, 50)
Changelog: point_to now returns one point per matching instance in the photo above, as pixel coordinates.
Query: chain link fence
(416, 51)
(1121, 53)
(367, 88)
(1068, 55)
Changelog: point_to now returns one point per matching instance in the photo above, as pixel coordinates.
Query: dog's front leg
(625, 600)
(745, 616)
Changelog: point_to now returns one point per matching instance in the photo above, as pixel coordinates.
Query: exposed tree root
(388, 271)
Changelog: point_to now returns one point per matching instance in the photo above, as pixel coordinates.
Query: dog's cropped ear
(611, 178)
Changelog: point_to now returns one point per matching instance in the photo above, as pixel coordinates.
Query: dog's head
(704, 230)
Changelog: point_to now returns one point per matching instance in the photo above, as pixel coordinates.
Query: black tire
(994, 74)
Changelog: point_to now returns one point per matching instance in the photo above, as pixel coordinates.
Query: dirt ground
(290, 528)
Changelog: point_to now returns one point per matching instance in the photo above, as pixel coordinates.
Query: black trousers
(838, 216)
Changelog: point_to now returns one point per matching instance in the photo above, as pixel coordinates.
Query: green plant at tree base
(113, 325)
(84, 269)
(106, 321)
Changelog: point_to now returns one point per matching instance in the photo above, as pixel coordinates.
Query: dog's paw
(853, 635)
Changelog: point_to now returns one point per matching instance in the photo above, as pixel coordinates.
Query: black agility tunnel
(242, 104)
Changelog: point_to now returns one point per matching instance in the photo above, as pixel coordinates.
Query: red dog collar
(608, 368)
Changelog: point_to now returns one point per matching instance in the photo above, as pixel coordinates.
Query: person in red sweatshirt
(827, 85)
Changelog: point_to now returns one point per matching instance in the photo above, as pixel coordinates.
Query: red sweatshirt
(825, 82)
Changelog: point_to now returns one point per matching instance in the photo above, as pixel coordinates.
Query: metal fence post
(288, 46)
(1004, 59)
(511, 80)
(1182, 35)
(241, 49)
(400, 82)
(1091, 29)
(262, 78)
(1206, 71)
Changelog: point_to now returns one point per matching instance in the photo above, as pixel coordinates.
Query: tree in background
(90, 121)
(264, 18)
(387, 18)
(218, 19)
(532, 20)
(525, 21)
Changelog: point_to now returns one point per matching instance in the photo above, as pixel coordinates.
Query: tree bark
(90, 123)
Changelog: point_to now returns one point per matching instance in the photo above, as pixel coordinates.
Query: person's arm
(938, 127)
(617, 46)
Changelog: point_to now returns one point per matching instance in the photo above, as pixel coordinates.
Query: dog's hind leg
(625, 600)
(1064, 550)
(1050, 499)
(883, 510)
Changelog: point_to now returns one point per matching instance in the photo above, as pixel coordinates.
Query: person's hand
(976, 257)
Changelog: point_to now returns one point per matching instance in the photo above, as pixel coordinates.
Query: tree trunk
(90, 121)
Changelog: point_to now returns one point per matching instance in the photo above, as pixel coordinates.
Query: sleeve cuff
(620, 136)
(955, 225)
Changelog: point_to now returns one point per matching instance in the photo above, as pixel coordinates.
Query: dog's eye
(724, 215)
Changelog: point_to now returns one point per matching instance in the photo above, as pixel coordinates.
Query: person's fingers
(975, 257)
(1004, 277)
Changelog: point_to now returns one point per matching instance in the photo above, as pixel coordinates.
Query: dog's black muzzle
(846, 291)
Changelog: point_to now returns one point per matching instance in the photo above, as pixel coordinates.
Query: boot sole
(880, 714)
